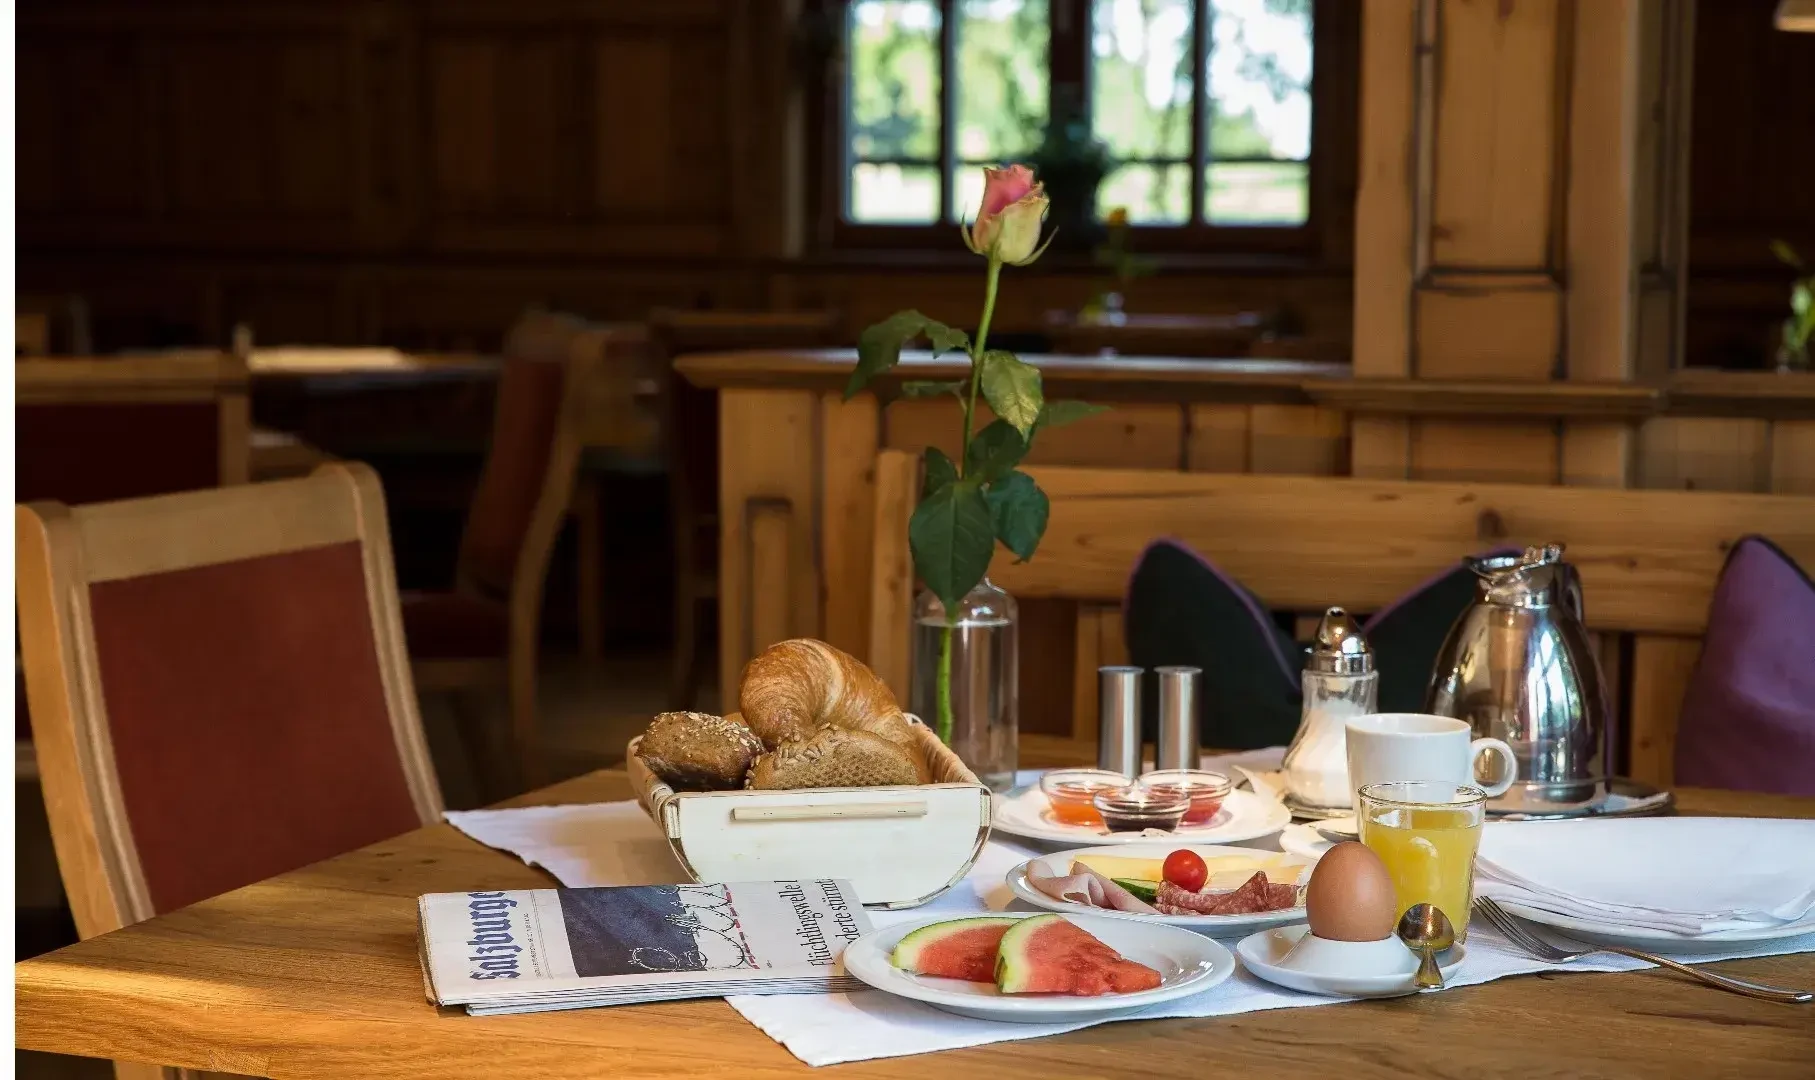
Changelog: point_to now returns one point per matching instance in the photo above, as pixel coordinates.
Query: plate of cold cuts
(1026, 812)
(1236, 891)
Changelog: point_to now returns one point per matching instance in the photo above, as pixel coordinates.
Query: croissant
(794, 688)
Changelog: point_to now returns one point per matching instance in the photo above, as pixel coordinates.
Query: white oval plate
(1215, 925)
(1244, 816)
(1188, 963)
(1262, 952)
(1639, 937)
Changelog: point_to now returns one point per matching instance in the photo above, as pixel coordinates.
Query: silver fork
(1523, 937)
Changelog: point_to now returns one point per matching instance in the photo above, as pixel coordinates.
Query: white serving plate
(1304, 841)
(1244, 816)
(899, 846)
(1215, 925)
(1598, 932)
(1263, 953)
(1188, 963)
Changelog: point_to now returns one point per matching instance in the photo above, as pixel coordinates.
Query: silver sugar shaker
(1119, 720)
(1177, 746)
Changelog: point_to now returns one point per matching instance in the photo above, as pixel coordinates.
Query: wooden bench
(1648, 560)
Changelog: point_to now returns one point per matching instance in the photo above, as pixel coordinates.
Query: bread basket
(899, 846)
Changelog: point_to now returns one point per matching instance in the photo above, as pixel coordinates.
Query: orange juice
(1430, 854)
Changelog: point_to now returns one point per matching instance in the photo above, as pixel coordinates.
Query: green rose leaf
(1020, 510)
(879, 346)
(995, 450)
(940, 472)
(1059, 413)
(1012, 388)
(952, 536)
(932, 389)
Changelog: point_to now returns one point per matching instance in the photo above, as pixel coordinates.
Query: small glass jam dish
(1136, 808)
(1205, 789)
(1069, 793)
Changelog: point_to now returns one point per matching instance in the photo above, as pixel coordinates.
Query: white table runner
(617, 844)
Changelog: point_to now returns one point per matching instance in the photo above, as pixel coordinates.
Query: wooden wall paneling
(1488, 326)
(1218, 438)
(889, 650)
(848, 487)
(1496, 132)
(1660, 212)
(1099, 643)
(1603, 144)
(1661, 666)
(1597, 453)
(1705, 453)
(1390, 105)
(767, 481)
(1128, 436)
(1304, 440)
(1793, 457)
(1380, 447)
(1500, 451)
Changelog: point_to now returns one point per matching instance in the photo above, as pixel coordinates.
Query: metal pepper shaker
(1177, 746)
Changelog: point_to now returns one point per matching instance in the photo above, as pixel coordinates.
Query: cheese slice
(1232, 869)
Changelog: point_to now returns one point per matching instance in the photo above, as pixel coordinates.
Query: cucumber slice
(1142, 889)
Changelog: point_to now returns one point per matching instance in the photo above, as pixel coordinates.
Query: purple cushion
(1748, 720)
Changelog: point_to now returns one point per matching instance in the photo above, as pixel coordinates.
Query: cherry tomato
(1187, 871)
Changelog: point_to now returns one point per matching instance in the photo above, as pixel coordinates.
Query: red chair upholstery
(218, 688)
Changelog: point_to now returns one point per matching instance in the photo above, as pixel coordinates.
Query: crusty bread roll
(794, 688)
(835, 757)
(698, 751)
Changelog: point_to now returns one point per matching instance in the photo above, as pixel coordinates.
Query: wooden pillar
(1519, 218)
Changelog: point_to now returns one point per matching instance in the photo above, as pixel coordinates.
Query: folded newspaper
(546, 949)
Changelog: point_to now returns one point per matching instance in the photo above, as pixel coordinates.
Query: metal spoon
(1427, 932)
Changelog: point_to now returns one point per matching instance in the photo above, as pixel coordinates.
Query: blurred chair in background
(51, 326)
(692, 438)
(563, 381)
(219, 689)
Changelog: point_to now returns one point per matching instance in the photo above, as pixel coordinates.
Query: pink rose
(1007, 228)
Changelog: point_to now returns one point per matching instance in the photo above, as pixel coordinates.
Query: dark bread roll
(698, 751)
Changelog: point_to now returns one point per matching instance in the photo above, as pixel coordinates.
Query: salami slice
(1257, 894)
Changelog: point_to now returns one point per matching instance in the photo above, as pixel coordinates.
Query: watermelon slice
(1049, 954)
(960, 949)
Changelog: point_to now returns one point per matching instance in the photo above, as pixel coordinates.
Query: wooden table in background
(314, 973)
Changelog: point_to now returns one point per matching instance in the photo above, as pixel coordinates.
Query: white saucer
(1304, 841)
(1216, 925)
(1188, 963)
(1244, 816)
(1262, 953)
(1640, 937)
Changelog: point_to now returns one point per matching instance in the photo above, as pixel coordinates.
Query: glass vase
(981, 673)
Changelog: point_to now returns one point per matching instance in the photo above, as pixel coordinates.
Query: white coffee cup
(1384, 747)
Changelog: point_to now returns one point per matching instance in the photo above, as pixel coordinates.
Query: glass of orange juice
(1426, 832)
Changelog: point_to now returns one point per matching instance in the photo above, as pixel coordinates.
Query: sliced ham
(1255, 895)
(1084, 886)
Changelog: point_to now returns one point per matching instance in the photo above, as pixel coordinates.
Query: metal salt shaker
(1177, 746)
(1119, 720)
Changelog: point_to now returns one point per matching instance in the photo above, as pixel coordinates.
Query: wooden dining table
(314, 973)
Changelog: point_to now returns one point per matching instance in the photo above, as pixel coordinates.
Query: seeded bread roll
(835, 757)
(698, 751)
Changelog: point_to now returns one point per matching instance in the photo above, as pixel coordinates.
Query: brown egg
(1350, 897)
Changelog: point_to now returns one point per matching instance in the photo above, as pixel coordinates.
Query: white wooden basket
(899, 846)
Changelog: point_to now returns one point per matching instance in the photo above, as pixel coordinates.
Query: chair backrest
(219, 688)
(560, 376)
(95, 430)
(1648, 559)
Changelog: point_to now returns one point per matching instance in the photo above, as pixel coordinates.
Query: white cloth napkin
(1684, 875)
(617, 844)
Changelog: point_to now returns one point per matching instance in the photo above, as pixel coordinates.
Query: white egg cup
(1293, 957)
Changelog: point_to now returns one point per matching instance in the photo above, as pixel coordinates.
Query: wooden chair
(561, 376)
(219, 689)
(1648, 559)
(692, 435)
